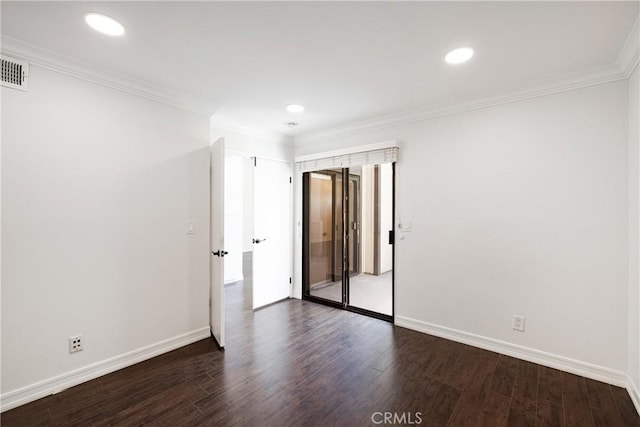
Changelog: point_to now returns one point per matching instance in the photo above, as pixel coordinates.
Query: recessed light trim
(104, 24)
(295, 108)
(459, 55)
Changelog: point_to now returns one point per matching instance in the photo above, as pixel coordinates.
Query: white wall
(634, 236)
(97, 189)
(520, 209)
(233, 217)
(247, 202)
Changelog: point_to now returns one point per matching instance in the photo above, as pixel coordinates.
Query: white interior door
(272, 232)
(216, 319)
(233, 194)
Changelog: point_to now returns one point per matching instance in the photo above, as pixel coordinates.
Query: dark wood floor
(303, 364)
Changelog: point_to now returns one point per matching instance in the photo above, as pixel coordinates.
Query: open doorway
(237, 189)
(348, 238)
(257, 226)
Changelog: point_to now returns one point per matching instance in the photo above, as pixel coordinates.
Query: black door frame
(306, 295)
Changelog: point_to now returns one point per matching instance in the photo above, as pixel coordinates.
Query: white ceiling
(344, 62)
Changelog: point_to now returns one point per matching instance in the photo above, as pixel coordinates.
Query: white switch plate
(191, 228)
(406, 226)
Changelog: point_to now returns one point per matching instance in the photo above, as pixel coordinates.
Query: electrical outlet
(518, 323)
(75, 343)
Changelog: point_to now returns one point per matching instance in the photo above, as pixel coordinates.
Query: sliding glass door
(348, 238)
(323, 226)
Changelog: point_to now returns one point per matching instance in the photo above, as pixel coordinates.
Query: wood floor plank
(549, 414)
(443, 355)
(605, 419)
(463, 371)
(495, 410)
(602, 404)
(505, 375)
(472, 399)
(159, 406)
(625, 407)
(522, 413)
(441, 407)
(179, 417)
(577, 412)
(33, 414)
(549, 384)
(525, 396)
(426, 391)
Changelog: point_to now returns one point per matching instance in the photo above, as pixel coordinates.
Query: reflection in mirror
(372, 287)
(325, 235)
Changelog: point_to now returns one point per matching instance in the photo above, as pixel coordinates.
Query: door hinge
(290, 180)
(255, 161)
(290, 280)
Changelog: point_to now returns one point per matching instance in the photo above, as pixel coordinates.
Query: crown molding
(72, 67)
(592, 77)
(243, 129)
(627, 61)
(629, 56)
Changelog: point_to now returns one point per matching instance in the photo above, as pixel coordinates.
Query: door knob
(221, 253)
(258, 240)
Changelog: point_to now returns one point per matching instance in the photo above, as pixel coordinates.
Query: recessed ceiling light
(459, 55)
(104, 24)
(295, 108)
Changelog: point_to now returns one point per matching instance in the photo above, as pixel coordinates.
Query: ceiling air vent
(15, 74)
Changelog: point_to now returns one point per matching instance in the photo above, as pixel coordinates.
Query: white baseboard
(551, 360)
(59, 383)
(634, 393)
